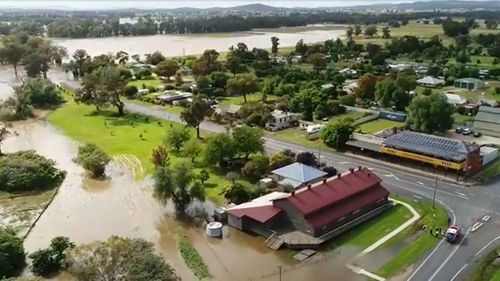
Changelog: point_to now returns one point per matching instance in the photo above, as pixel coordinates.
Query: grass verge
(192, 258)
(485, 270)
(379, 125)
(491, 171)
(412, 252)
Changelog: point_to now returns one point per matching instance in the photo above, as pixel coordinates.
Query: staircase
(275, 241)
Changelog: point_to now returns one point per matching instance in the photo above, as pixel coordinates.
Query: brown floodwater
(86, 210)
(178, 45)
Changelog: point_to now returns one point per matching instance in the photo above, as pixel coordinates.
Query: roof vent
(308, 186)
(293, 192)
(338, 175)
(369, 174)
(359, 168)
(351, 170)
(324, 180)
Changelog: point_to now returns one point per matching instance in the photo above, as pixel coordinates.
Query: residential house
(431, 82)
(469, 84)
(281, 120)
(297, 175)
(455, 99)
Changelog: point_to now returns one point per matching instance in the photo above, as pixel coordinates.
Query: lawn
(368, 233)
(148, 83)
(496, 276)
(132, 137)
(412, 252)
(461, 119)
(169, 108)
(484, 269)
(379, 125)
(238, 100)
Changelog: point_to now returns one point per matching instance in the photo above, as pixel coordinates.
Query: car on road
(453, 233)
(477, 134)
(458, 130)
(467, 131)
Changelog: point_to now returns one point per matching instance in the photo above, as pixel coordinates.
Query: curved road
(465, 205)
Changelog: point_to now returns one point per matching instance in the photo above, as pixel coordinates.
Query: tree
(301, 47)
(248, 140)
(349, 32)
(384, 90)
(103, 87)
(196, 112)
(220, 149)
(81, 58)
(93, 159)
(357, 30)
(119, 259)
(406, 82)
(366, 86)
(52, 259)
(386, 32)
(401, 99)
(177, 137)
(207, 63)
(370, 31)
(242, 85)
(256, 168)
(35, 64)
(178, 184)
(12, 52)
(41, 92)
(236, 193)
(192, 149)
(275, 42)
(159, 157)
(166, 68)
(203, 176)
(155, 58)
(453, 28)
(219, 79)
(4, 133)
(307, 158)
(430, 114)
(12, 253)
(280, 159)
(318, 62)
(234, 64)
(337, 133)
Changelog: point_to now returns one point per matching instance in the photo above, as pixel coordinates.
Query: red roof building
(321, 208)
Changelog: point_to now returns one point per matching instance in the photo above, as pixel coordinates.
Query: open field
(409, 254)
(379, 125)
(131, 134)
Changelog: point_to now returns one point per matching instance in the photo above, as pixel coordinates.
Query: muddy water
(177, 45)
(7, 79)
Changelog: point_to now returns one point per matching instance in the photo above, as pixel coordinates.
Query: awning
(364, 145)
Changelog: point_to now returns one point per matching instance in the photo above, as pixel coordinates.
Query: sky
(144, 4)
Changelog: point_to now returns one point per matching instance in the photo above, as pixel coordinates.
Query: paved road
(465, 205)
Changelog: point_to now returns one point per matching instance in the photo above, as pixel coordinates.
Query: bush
(41, 92)
(26, 170)
(93, 159)
(256, 168)
(307, 158)
(497, 90)
(330, 170)
(130, 91)
(279, 160)
(52, 259)
(12, 253)
(348, 99)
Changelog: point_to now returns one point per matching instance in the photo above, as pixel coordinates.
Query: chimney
(324, 180)
(338, 175)
(293, 192)
(359, 168)
(351, 170)
(309, 186)
(369, 174)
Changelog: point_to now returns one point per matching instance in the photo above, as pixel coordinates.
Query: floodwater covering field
(178, 45)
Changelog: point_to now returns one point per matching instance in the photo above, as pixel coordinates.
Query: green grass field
(238, 100)
(496, 276)
(130, 135)
(148, 83)
(379, 125)
(430, 217)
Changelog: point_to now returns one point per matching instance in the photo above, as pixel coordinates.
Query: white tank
(214, 229)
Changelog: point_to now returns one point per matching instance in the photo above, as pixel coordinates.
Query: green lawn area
(169, 108)
(131, 136)
(379, 125)
(192, 258)
(238, 100)
(461, 119)
(148, 83)
(368, 233)
(484, 270)
(496, 276)
(412, 252)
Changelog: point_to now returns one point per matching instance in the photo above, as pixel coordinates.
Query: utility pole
(435, 190)
(279, 267)
(319, 155)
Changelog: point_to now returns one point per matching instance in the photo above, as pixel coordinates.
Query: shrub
(306, 158)
(348, 99)
(279, 160)
(26, 170)
(93, 159)
(12, 253)
(256, 168)
(497, 90)
(130, 91)
(52, 259)
(330, 170)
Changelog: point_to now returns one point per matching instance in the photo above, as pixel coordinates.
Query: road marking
(486, 246)
(449, 256)
(476, 226)
(344, 163)
(421, 183)
(486, 218)
(458, 272)
(428, 188)
(418, 197)
(460, 193)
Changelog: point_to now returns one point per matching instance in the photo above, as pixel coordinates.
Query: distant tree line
(97, 26)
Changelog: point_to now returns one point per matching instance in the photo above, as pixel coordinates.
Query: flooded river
(178, 45)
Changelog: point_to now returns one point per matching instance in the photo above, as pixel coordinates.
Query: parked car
(467, 131)
(453, 233)
(458, 130)
(477, 134)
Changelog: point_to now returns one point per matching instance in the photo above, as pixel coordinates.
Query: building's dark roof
(488, 114)
(261, 214)
(434, 146)
(469, 80)
(364, 145)
(323, 197)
